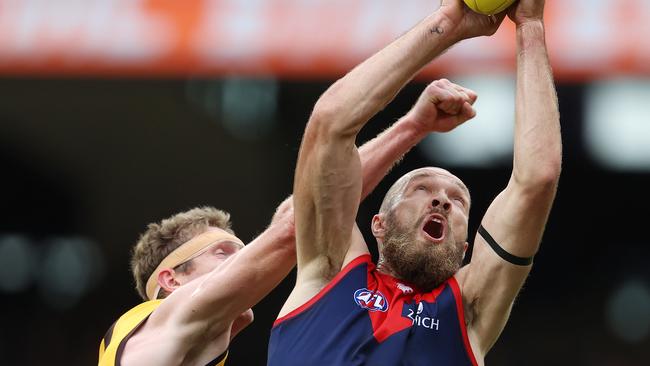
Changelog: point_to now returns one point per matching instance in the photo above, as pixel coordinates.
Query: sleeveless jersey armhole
(364, 258)
(460, 310)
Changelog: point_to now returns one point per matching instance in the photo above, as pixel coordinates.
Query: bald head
(397, 189)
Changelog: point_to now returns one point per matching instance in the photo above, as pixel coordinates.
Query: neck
(384, 268)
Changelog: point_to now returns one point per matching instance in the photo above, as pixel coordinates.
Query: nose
(443, 203)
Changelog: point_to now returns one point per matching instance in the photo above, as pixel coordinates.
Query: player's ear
(378, 226)
(167, 280)
(465, 246)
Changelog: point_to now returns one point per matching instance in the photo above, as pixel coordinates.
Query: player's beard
(424, 264)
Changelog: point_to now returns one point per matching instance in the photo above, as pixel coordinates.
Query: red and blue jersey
(365, 317)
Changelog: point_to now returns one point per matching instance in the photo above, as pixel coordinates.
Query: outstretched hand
(468, 23)
(284, 216)
(443, 106)
(525, 11)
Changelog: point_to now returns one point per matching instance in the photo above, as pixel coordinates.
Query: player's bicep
(517, 217)
(509, 237)
(489, 287)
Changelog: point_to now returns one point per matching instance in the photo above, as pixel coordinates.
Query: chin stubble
(423, 264)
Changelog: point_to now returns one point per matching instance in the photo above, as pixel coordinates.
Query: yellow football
(489, 7)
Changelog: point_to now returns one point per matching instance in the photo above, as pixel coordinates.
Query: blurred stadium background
(117, 113)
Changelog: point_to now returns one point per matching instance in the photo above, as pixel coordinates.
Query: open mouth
(435, 228)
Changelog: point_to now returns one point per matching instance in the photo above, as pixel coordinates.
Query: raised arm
(517, 217)
(380, 154)
(328, 181)
(207, 305)
(268, 259)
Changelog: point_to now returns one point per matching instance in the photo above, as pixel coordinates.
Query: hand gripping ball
(489, 7)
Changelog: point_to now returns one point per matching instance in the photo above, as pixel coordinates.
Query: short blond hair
(162, 238)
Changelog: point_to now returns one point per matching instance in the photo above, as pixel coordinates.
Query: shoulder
(122, 330)
(308, 292)
(132, 318)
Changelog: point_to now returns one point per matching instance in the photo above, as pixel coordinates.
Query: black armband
(519, 261)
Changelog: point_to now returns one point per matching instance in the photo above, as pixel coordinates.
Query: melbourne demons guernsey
(365, 317)
(112, 345)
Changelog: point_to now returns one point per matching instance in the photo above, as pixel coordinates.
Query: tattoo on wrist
(437, 30)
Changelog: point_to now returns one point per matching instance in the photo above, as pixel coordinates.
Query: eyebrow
(239, 245)
(234, 243)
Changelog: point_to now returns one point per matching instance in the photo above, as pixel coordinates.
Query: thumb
(467, 111)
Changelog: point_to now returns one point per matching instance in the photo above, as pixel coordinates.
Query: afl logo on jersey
(370, 300)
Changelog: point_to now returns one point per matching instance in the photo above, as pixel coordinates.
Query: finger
(452, 107)
(453, 92)
(434, 93)
(468, 111)
(493, 22)
(453, 100)
(433, 97)
(471, 95)
(498, 18)
(443, 95)
(467, 95)
(442, 82)
(463, 95)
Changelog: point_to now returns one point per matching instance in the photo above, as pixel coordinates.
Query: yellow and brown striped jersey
(112, 345)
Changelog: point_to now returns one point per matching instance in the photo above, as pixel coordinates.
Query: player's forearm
(348, 104)
(251, 274)
(327, 184)
(538, 145)
(380, 154)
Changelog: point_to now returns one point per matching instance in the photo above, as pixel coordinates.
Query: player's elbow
(543, 177)
(330, 120)
(548, 174)
(537, 190)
